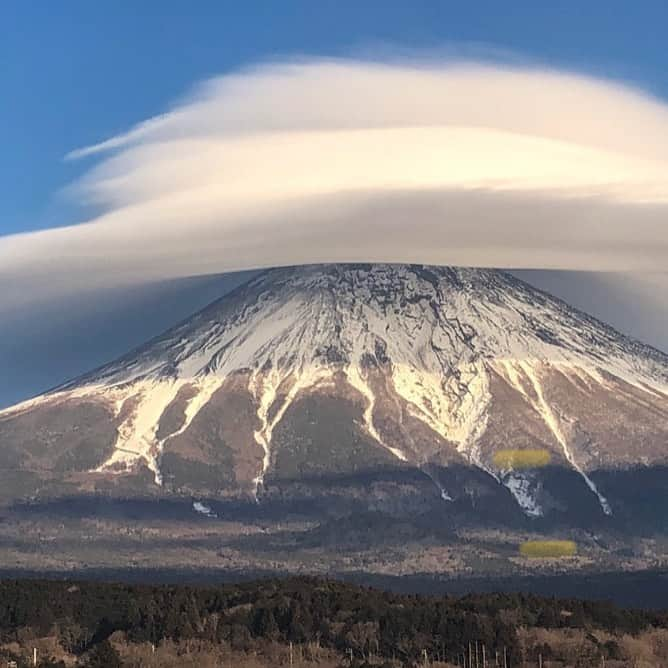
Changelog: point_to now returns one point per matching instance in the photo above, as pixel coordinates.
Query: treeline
(357, 622)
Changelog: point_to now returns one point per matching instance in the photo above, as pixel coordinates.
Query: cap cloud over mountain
(317, 160)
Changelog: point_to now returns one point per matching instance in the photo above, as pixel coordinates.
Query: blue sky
(76, 72)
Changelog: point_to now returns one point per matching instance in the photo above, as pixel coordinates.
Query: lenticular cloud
(321, 161)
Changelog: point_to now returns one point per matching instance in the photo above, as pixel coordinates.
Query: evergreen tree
(103, 655)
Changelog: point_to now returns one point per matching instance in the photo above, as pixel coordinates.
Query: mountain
(473, 388)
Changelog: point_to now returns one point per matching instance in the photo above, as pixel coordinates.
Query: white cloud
(314, 161)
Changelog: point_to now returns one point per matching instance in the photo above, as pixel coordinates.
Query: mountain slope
(338, 369)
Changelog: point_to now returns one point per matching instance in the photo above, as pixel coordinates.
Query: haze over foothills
(403, 139)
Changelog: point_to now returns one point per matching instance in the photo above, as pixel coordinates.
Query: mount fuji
(480, 391)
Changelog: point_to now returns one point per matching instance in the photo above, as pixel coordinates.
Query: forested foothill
(314, 622)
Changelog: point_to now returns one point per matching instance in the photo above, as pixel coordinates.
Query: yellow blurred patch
(548, 549)
(521, 459)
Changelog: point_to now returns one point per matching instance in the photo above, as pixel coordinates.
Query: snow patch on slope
(523, 488)
(534, 395)
(203, 509)
(205, 388)
(136, 439)
(456, 408)
(264, 387)
(357, 380)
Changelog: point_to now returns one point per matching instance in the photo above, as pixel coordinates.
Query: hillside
(309, 622)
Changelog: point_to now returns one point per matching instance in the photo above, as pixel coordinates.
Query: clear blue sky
(75, 72)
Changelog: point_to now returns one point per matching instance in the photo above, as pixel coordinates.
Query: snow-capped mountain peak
(445, 364)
